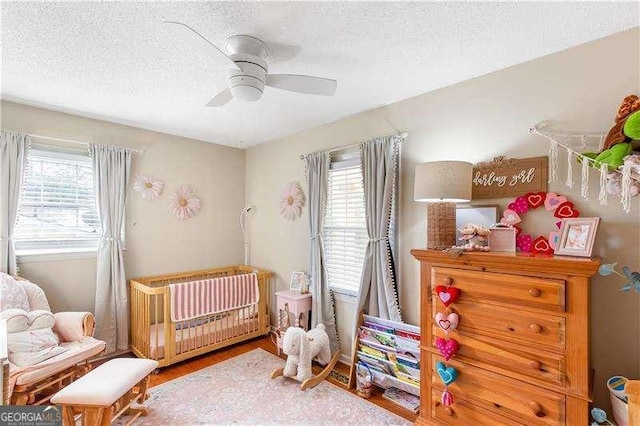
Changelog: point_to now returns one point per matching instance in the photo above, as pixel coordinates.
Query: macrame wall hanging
(622, 180)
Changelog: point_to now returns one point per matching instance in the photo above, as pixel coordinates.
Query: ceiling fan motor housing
(248, 84)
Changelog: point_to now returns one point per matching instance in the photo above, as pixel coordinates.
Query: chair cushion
(41, 319)
(76, 352)
(12, 294)
(17, 319)
(32, 346)
(108, 382)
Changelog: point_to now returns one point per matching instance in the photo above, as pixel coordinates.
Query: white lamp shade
(443, 181)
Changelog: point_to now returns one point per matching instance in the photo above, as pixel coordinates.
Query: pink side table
(295, 304)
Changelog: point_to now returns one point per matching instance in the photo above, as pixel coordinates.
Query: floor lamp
(441, 184)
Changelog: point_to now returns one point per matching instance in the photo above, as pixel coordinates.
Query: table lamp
(441, 184)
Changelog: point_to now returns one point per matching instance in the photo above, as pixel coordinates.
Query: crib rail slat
(154, 335)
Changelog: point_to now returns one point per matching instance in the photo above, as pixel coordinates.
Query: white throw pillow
(41, 319)
(17, 319)
(12, 294)
(33, 346)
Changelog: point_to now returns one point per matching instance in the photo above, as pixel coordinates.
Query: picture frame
(577, 236)
(485, 215)
(299, 282)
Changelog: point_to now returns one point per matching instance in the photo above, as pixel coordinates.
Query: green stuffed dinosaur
(612, 157)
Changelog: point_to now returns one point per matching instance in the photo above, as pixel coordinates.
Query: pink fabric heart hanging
(447, 323)
(447, 347)
(447, 295)
(447, 398)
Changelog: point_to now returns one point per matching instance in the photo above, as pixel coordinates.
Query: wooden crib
(155, 336)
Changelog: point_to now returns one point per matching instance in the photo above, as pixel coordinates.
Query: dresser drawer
(510, 289)
(464, 413)
(508, 397)
(535, 363)
(520, 327)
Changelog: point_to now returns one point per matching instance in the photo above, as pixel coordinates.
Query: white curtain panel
(111, 169)
(378, 295)
(322, 308)
(13, 162)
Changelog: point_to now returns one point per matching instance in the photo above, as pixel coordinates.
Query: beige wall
(579, 89)
(156, 242)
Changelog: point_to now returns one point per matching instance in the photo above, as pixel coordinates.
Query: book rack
(391, 351)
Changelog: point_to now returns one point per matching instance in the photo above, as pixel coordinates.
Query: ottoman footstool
(106, 392)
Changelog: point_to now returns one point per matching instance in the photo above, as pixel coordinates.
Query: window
(345, 231)
(57, 211)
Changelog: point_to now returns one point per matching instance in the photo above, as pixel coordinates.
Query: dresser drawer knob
(535, 364)
(537, 409)
(535, 292)
(448, 411)
(448, 280)
(535, 328)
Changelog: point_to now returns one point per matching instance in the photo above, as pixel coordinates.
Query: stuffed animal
(614, 180)
(617, 134)
(301, 347)
(476, 236)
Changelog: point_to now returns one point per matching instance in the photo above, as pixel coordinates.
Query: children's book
(403, 399)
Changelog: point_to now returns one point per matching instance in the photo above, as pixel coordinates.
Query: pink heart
(447, 348)
(510, 217)
(447, 398)
(553, 200)
(447, 323)
(558, 224)
(554, 236)
(520, 205)
(523, 243)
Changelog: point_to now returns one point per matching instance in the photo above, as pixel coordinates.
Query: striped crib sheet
(211, 296)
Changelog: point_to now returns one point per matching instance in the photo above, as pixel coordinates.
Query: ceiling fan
(248, 71)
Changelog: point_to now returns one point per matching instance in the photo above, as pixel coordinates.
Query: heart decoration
(448, 375)
(566, 210)
(510, 217)
(447, 398)
(523, 243)
(447, 347)
(447, 295)
(541, 246)
(559, 224)
(520, 205)
(518, 229)
(554, 237)
(552, 201)
(535, 199)
(447, 323)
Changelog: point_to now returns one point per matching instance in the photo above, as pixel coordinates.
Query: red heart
(536, 199)
(566, 210)
(518, 229)
(447, 295)
(541, 246)
(447, 348)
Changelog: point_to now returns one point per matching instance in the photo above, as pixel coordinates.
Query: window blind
(57, 206)
(345, 234)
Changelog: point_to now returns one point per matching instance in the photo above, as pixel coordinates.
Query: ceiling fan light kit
(248, 72)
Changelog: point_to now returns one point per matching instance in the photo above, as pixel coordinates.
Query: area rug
(240, 391)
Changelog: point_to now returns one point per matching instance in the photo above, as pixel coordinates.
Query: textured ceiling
(118, 62)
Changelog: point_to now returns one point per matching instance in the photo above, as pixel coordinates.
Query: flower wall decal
(291, 201)
(184, 204)
(149, 186)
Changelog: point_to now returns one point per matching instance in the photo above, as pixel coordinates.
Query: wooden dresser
(523, 335)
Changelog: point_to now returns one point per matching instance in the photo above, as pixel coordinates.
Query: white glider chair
(46, 351)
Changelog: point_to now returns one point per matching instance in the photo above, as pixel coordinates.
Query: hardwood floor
(197, 363)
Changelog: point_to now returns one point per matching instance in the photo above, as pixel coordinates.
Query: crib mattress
(202, 333)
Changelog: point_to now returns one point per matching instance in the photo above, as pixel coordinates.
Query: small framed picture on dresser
(577, 235)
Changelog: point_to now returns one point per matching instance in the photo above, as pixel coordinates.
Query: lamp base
(441, 225)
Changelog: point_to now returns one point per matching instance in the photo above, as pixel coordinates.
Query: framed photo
(577, 236)
(299, 282)
(486, 215)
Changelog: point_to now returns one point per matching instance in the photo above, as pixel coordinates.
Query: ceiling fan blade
(221, 98)
(303, 84)
(186, 32)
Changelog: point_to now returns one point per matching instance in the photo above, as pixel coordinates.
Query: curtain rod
(137, 151)
(401, 135)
